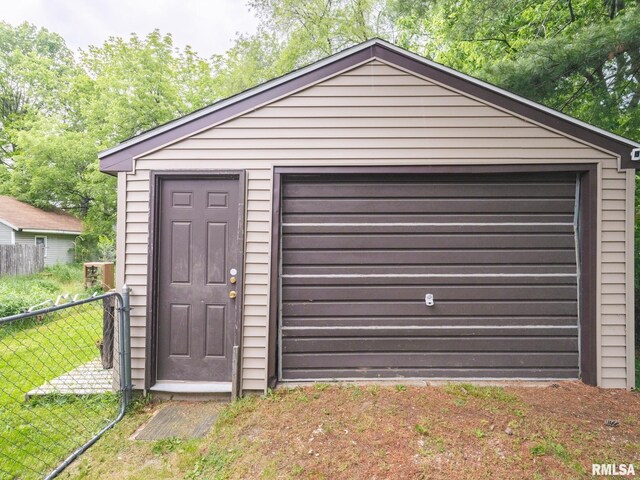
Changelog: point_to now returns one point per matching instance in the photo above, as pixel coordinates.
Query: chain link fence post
(125, 342)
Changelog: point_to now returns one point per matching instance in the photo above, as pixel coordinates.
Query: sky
(209, 26)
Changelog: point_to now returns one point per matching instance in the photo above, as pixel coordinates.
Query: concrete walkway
(88, 379)
(183, 420)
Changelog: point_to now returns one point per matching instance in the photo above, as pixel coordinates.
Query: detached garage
(376, 216)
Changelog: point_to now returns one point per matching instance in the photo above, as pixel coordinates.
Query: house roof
(120, 157)
(22, 216)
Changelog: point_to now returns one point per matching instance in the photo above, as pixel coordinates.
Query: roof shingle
(23, 216)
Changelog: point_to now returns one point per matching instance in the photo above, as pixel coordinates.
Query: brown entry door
(199, 245)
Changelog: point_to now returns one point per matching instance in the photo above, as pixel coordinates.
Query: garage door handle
(428, 300)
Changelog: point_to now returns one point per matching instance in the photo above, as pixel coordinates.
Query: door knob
(233, 294)
(233, 280)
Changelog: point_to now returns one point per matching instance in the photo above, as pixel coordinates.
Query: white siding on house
(60, 248)
(5, 235)
(375, 115)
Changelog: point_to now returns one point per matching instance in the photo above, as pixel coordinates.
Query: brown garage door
(361, 257)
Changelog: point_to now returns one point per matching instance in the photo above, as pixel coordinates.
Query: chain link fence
(64, 380)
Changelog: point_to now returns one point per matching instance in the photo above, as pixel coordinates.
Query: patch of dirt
(439, 432)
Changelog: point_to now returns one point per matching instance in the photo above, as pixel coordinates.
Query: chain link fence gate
(64, 380)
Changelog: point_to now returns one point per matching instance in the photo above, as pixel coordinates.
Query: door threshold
(192, 387)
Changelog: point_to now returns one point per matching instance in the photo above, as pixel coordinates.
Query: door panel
(199, 241)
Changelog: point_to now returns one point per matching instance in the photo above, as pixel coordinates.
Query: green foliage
(35, 69)
(214, 465)
(20, 293)
(550, 447)
(422, 429)
(466, 390)
(479, 433)
(112, 92)
(164, 446)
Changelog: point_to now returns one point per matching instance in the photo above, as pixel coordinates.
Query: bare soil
(373, 432)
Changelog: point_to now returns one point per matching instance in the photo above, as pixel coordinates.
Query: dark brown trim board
(275, 283)
(155, 179)
(120, 158)
(587, 238)
(587, 243)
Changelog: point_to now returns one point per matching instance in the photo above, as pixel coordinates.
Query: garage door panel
(408, 272)
(428, 257)
(385, 218)
(432, 205)
(435, 373)
(290, 309)
(432, 360)
(431, 281)
(417, 293)
(432, 344)
(443, 326)
(513, 189)
(497, 252)
(375, 240)
(420, 229)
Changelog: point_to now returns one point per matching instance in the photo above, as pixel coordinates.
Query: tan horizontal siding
(373, 115)
(397, 144)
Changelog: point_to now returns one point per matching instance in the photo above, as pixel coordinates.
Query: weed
(214, 465)
(356, 391)
(164, 446)
(401, 388)
(465, 390)
(374, 389)
(270, 394)
(422, 429)
(479, 433)
(321, 386)
(297, 470)
(459, 402)
(550, 447)
(229, 413)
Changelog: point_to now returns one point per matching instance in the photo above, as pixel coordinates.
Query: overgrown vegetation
(19, 293)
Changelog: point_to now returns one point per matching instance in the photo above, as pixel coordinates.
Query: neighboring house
(21, 223)
(376, 216)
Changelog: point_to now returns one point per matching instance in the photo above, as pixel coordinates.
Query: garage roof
(120, 157)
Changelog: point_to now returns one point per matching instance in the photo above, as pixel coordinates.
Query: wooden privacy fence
(21, 259)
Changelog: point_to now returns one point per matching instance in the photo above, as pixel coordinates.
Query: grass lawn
(335, 432)
(35, 436)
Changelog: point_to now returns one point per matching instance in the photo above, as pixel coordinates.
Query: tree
(581, 57)
(141, 83)
(35, 67)
(116, 91)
